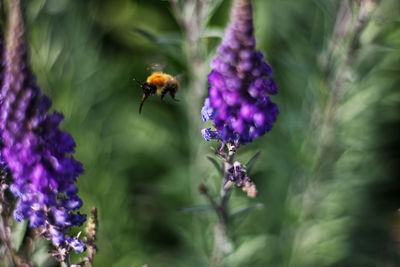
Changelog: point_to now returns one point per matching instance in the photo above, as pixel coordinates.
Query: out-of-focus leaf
(41, 255)
(212, 9)
(170, 40)
(216, 164)
(251, 162)
(18, 234)
(36, 8)
(213, 33)
(169, 46)
(197, 208)
(244, 253)
(246, 210)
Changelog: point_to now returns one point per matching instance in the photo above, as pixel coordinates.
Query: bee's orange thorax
(159, 80)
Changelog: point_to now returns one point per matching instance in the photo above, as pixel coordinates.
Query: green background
(324, 176)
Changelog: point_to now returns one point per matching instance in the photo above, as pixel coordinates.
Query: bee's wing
(156, 67)
(180, 77)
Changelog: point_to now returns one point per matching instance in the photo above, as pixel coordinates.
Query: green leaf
(18, 234)
(170, 46)
(213, 33)
(251, 162)
(197, 208)
(41, 255)
(149, 36)
(211, 10)
(247, 251)
(169, 40)
(216, 164)
(247, 209)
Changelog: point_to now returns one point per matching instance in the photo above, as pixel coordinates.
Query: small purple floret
(207, 111)
(209, 135)
(77, 245)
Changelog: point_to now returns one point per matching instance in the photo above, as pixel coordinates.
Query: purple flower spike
(240, 84)
(36, 151)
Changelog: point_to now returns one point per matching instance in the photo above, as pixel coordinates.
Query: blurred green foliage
(326, 195)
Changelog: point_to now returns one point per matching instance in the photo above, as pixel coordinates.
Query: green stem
(65, 262)
(220, 230)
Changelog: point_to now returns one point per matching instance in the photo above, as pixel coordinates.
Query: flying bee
(158, 83)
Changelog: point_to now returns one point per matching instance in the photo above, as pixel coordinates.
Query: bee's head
(148, 90)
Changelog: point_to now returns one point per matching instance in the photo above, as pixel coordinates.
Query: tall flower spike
(240, 84)
(3, 164)
(36, 150)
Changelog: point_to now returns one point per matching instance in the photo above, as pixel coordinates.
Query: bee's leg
(172, 94)
(163, 93)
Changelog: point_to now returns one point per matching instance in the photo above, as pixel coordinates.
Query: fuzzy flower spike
(36, 150)
(240, 84)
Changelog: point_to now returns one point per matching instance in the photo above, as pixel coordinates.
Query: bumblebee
(158, 83)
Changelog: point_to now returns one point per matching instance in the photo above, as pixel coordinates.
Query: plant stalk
(221, 242)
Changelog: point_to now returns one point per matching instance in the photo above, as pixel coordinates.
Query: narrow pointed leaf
(213, 33)
(245, 210)
(197, 208)
(170, 46)
(41, 256)
(169, 40)
(216, 164)
(212, 9)
(18, 234)
(251, 162)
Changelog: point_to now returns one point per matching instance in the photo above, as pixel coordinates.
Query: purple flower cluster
(37, 152)
(240, 84)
